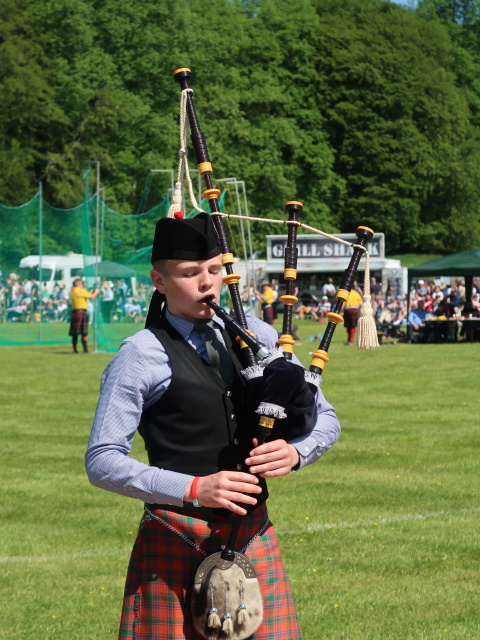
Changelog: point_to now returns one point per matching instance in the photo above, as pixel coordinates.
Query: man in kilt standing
(79, 320)
(164, 383)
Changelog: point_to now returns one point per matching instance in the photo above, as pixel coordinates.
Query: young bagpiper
(187, 404)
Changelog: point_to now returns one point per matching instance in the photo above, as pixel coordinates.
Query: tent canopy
(465, 263)
(110, 269)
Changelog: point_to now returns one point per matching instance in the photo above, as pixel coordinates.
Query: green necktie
(217, 353)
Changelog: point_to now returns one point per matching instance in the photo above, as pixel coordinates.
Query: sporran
(226, 600)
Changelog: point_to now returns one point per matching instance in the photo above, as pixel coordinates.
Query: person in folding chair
(178, 382)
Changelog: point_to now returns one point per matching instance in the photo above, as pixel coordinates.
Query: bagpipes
(279, 393)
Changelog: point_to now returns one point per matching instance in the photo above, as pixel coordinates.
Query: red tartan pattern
(351, 317)
(162, 567)
(79, 323)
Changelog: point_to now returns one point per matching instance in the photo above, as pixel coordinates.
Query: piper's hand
(272, 459)
(224, 489)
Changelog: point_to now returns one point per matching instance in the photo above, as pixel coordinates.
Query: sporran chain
(193, 544)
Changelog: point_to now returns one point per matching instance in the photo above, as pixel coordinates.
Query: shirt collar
(185, 327)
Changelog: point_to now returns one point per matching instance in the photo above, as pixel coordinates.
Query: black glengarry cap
(185, 239)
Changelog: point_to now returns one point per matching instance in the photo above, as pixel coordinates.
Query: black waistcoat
(199, 426)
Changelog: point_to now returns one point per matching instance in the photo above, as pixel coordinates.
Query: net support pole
(40, 259)
(97, 244)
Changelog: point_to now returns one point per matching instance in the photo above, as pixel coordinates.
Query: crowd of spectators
(390, 309)
(27, 300)
(433, 312)
(441, 313)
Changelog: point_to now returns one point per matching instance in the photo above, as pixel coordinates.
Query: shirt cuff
(308, 448)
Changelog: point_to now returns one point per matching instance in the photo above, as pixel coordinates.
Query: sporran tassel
(213, 617)
(242, 609)
(367, 329)
(227, 626)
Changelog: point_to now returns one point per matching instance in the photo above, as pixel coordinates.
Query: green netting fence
(43, 249)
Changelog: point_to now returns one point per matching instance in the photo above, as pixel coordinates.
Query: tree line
(365, 110)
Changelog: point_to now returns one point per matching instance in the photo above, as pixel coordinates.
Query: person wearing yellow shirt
(266, 298)
(79, 320)
(351, 314)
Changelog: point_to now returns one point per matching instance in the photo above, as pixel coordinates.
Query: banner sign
(317, 247)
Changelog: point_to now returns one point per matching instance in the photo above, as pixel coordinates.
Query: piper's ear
(158, 281)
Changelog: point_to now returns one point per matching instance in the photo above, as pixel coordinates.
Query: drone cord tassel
(367, 329)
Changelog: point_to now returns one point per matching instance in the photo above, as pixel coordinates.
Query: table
(446, 329)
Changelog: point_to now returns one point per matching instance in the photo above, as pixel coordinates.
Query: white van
(57, 268)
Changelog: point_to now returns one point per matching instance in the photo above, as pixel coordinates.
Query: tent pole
(468, 288)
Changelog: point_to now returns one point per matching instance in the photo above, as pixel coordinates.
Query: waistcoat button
(233, 416)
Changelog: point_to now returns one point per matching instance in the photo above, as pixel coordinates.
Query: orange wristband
(193, 492)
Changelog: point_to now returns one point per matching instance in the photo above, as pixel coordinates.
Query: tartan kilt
(79, 323)
(162, 568)
(350, 317)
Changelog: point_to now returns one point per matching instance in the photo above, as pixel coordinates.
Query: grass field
(109, 336)
(380, 538)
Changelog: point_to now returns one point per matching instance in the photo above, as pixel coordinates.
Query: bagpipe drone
(279, 393)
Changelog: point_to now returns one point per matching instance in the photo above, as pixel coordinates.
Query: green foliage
(366, 111)
(398, 124)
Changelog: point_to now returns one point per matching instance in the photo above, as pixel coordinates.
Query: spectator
(62, 311)
(383, 313)
(421, 288)
(79, 321)
(134, 311)
(107, 301)
(61, 293)
(305, 309)
(351, 313)
(375, 288)
(266, 299)
(455, 299)
(417, 322)
(428, 302)
(19, 312)
(328, 289)
(120, 294)
(324, 307)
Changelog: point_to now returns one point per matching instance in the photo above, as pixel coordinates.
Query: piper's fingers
(238, 497)
(238, 476)
(221, 488)
(235, 508)
(267, 447)
(269, 452)
(272, 470)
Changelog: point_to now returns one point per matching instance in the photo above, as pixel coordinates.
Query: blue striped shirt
(136, 378)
